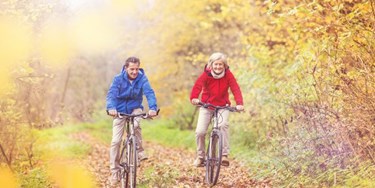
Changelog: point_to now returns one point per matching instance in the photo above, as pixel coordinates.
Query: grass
(57, 143)
(160, 132)
(36, 177)
(52, 146)
(155, 130)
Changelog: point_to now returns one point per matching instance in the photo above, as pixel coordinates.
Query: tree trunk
(7, 160)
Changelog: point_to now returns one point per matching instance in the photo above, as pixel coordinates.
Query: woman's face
(218, 66)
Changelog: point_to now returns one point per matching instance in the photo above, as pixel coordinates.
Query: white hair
(215, 57)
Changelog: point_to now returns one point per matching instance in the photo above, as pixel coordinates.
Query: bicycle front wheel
(213, 159)
(124, 168)
(132, 163)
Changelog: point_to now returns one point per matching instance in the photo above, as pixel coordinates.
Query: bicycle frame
(129, 153)
(129, 149)
(214, 148)
(129, 129)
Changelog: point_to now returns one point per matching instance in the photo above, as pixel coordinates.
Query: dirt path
(167, 167)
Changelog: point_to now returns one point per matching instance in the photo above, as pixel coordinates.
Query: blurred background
(305, 68)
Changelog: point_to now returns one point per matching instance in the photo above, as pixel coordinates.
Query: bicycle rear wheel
(131, 175)
(213, 159)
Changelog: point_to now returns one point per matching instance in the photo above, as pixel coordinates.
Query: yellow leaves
(70, 176)
(7, 179)
(363, 7)
(293, 11)
(205, 24)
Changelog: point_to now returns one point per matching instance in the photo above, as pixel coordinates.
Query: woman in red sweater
(213, 85)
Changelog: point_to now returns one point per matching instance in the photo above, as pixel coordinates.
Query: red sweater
(215, 91)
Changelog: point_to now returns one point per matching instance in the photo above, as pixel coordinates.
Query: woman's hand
(195, 101)
(239, 108)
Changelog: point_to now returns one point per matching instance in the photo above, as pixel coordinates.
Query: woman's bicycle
(215, 145)
(129, 153)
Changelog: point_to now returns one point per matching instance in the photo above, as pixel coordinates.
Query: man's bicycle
(215, 145)
(129, 153)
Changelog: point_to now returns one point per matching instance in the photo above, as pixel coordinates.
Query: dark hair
(132, 59)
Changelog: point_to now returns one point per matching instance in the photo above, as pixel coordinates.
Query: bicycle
(215, 145)
(129, 153)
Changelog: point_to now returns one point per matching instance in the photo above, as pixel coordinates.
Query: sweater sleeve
(197, 88)
(235, 88)
(150, 94)
(112, 93)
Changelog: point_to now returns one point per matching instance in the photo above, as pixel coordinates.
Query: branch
(9, 163)
(373, 9)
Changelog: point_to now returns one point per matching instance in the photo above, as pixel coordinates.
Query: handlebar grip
(232, 109)
(157, 112)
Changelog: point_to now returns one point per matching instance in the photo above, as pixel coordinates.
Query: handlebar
(142, 115)
(208, 105)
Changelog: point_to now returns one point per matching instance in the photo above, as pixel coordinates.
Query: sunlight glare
(56, 46)
(7, 179)
(15, 40)
(15, 46)
(95, 32)
(70, 176)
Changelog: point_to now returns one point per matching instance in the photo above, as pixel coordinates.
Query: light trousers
(117, 134)
(204, 119)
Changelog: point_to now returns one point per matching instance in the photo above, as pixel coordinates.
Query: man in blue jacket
(125, 95)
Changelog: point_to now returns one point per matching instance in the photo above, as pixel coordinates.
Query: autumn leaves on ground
(168, 167)
(78, 156)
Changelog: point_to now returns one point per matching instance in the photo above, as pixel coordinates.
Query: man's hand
(112, 112)
(239, 108)
(195, 101)
(152, 113)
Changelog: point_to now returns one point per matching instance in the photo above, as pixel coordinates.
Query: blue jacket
(125, 96)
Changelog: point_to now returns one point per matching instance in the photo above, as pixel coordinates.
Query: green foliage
(57, 142)
(36, 177)
(183, 114)
(161, 132)
(101, 130)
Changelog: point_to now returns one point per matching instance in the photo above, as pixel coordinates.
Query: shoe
(142, 156)
(114, 179)
(199, 162)
(224, 161)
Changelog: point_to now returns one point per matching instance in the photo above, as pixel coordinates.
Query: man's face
(132, 70)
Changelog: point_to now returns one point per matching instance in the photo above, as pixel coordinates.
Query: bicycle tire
(131, 176)
(123, 165)
(213, 158)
